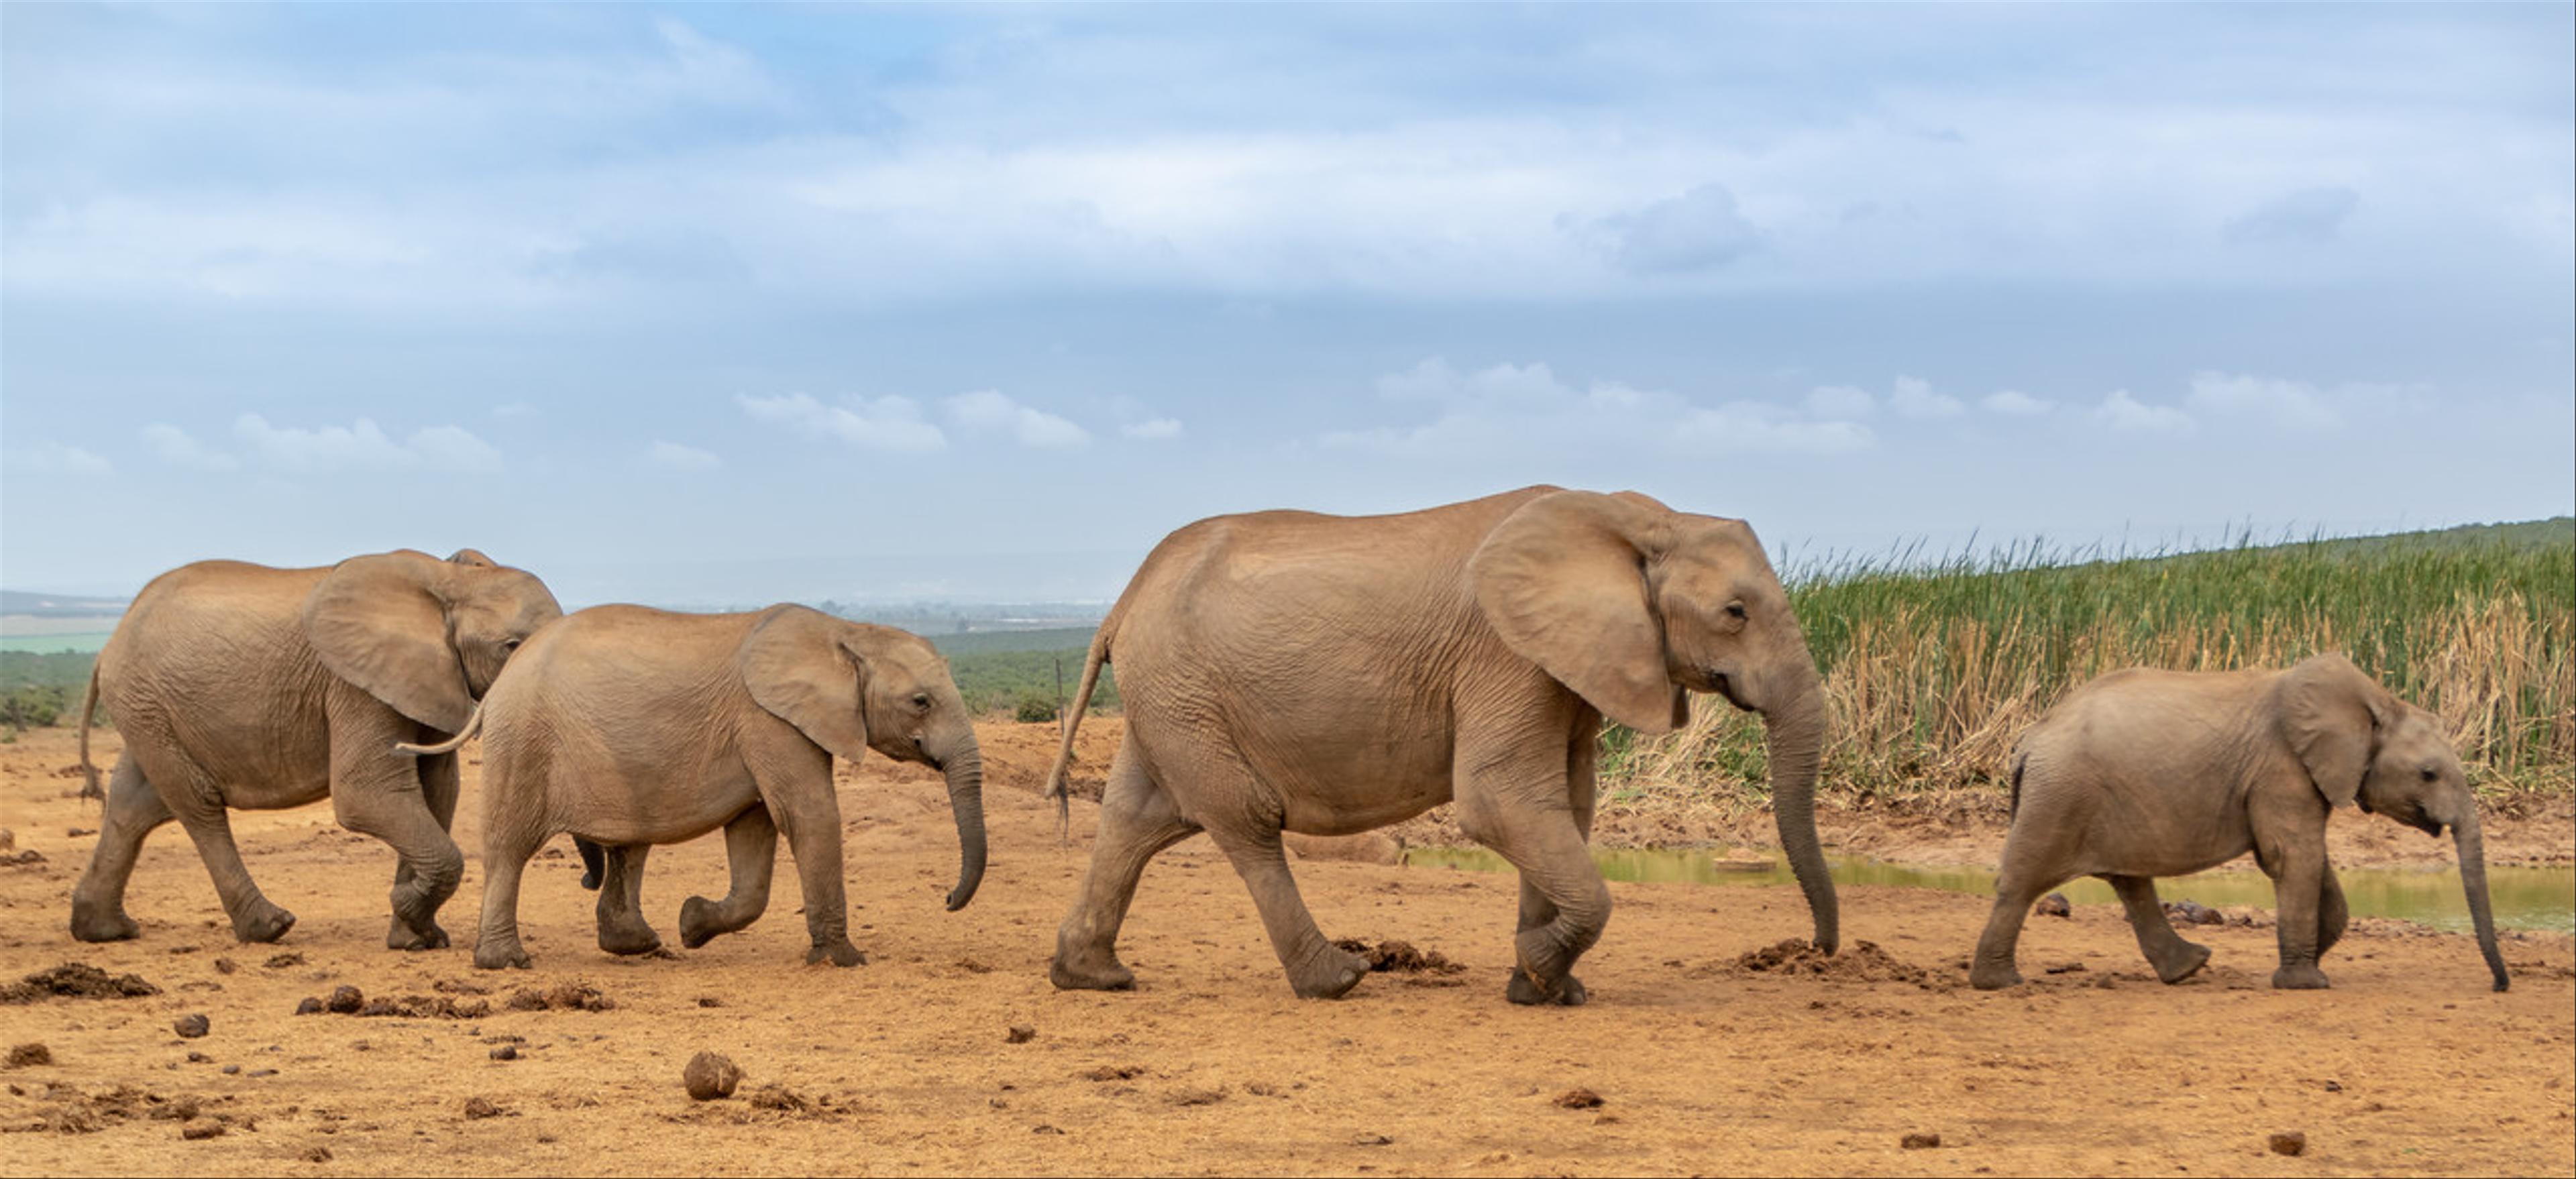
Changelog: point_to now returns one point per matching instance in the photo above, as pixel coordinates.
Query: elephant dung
(2292, 1144)
(710, 1076)
(190, 1026)
(2193, 913)
(2054, 904)
(30, 1054)
(1578, 1099)
(1920, 1142)
(345, 1000)
(1020, 1034)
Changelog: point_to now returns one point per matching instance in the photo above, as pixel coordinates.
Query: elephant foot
(843, 954)
(628, 937)
(1330, 975)
(1993, 977)
(1070, 975)
(402, 936)
(497, 955)
(102, 923)
(2175, 967)
(1568, 992)
(2303, 977)
(262, 923)
(700, 921)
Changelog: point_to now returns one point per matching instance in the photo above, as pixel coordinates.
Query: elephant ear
(2330, 714)
(1562, 581)
(798, 666)
(380, 623)
(473, 557)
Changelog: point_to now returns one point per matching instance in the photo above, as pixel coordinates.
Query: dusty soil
(1709, 1046)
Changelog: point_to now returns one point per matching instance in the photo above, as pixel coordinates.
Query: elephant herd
(1281, 671)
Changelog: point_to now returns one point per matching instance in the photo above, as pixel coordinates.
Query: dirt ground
(1705, 1053)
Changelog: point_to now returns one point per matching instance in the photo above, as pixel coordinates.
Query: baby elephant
(630, 726)
(2144, 773)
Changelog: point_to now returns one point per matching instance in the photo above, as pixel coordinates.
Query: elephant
(1324, 675)
(244, 686)
(2143, 773)
(630, 726)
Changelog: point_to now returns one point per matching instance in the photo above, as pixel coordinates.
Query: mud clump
(29, 1055)
(76, 980)
(1114, 1072)
(568, 996)
(1399, 957)
(781, 1099)
(1578, 1099)
(479, 1108)
(201, 1129)
(345, 1000)
(350, 1001)
(1020, 1033)
(1863, 962)
(710, 1076)
(2193, 913)
(2292, 1144)
(1920, 1142)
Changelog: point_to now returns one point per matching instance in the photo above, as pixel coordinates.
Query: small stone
(709, 1001)
(2334, 1086)
(232, 1070)
(1578, 1099)
(1044, 1130)
(201, 1129)
(310, 1006)
(2292, 1144)
(281, 961)
(317, 1154)
(189, 1027)
(1020, 1034)
(226, 966)
(30, 1054)
(200, 1058)
(261, 1072)
(345, 1000)
(478, 1108)
(1371, 1140)
(1920, 1142)
(2054, 904)
(77, 832)
(710, 1076)
(506, 1052)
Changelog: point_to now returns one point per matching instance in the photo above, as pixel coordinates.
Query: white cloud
(1509, 409)
(55, 458)
(1915, 399)
(2293, 405)
(362, 445)
(681, 458)
(1839, 401)
(174, 446)
(989, 410)
(2014, 403)
(882, 423)
(1697, 231)
(2123, 412)
(1156, 430)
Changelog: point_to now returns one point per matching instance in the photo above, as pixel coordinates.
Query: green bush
(1034, 708)
(32, 707)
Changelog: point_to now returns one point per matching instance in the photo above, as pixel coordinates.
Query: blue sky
(736, 304)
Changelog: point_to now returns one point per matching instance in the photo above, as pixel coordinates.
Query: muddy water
(2524, 898)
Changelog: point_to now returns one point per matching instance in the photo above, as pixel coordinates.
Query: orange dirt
(1710, 1046)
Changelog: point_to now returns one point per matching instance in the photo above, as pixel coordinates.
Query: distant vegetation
(39, 690)
(1015, 671)
(1933, 672)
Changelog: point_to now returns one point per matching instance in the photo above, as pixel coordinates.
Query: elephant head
(1630, 604)
(2361, 744)
(425, 636)
(849, 687)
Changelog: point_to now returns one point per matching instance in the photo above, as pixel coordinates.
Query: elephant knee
(439, 871)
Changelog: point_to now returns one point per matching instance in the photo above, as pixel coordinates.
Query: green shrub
(1034, 708)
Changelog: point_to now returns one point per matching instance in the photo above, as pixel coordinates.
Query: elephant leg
(438, 790)
(2032, 855)
(795, 784)
(1317, 969)
(1137, 820)
(1536, 909)
(203, 815)
(375, 791)
(2332, 914)
(2297, 868)
(622, 928)
(2174, 958)
(134, 809)
(506, 850)
(594, 863)
(751, 851)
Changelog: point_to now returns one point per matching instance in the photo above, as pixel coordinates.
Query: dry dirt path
(2410, 1066)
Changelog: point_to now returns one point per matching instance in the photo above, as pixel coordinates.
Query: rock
(2193, 913)
(2334, 1086)
(478, 1108)
(1920, 1141)
(317, 1154)
(1371, 1140)
(1020, 1033)
(190, 1027)
(281, 961)
(709, 1001)
(232, 1070)
(1578, 1099)
(345, 1000)
(200, 1058)
(506, 1052)
(225, 966)
(710, 1076)
(310, 1006)
(30, 1054)
(2054, 904)
(201, 1129)
(2292, 1144)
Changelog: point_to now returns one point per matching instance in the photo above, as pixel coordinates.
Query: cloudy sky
(738, 304)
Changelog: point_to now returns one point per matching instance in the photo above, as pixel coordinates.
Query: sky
(741, 304)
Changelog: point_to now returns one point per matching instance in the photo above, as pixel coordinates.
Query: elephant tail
(89, 772)
(2020, 762)
(1091, 663)
(473, 724)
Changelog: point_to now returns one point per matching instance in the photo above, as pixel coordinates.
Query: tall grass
(1933, 671)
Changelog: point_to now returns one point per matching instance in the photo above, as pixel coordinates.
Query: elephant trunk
(1795, 732)
(2473, 881)
(966, 797)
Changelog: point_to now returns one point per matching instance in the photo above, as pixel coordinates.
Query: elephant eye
(1735, 609)
(921, 700)
(2429, 774)
(511, 645)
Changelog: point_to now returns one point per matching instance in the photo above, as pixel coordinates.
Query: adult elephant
(243, 686)
(1287, 671)
(2144, 773)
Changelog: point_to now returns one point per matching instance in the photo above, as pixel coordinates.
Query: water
(2523, 898)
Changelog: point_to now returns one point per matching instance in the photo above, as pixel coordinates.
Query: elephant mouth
(1724, 685)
